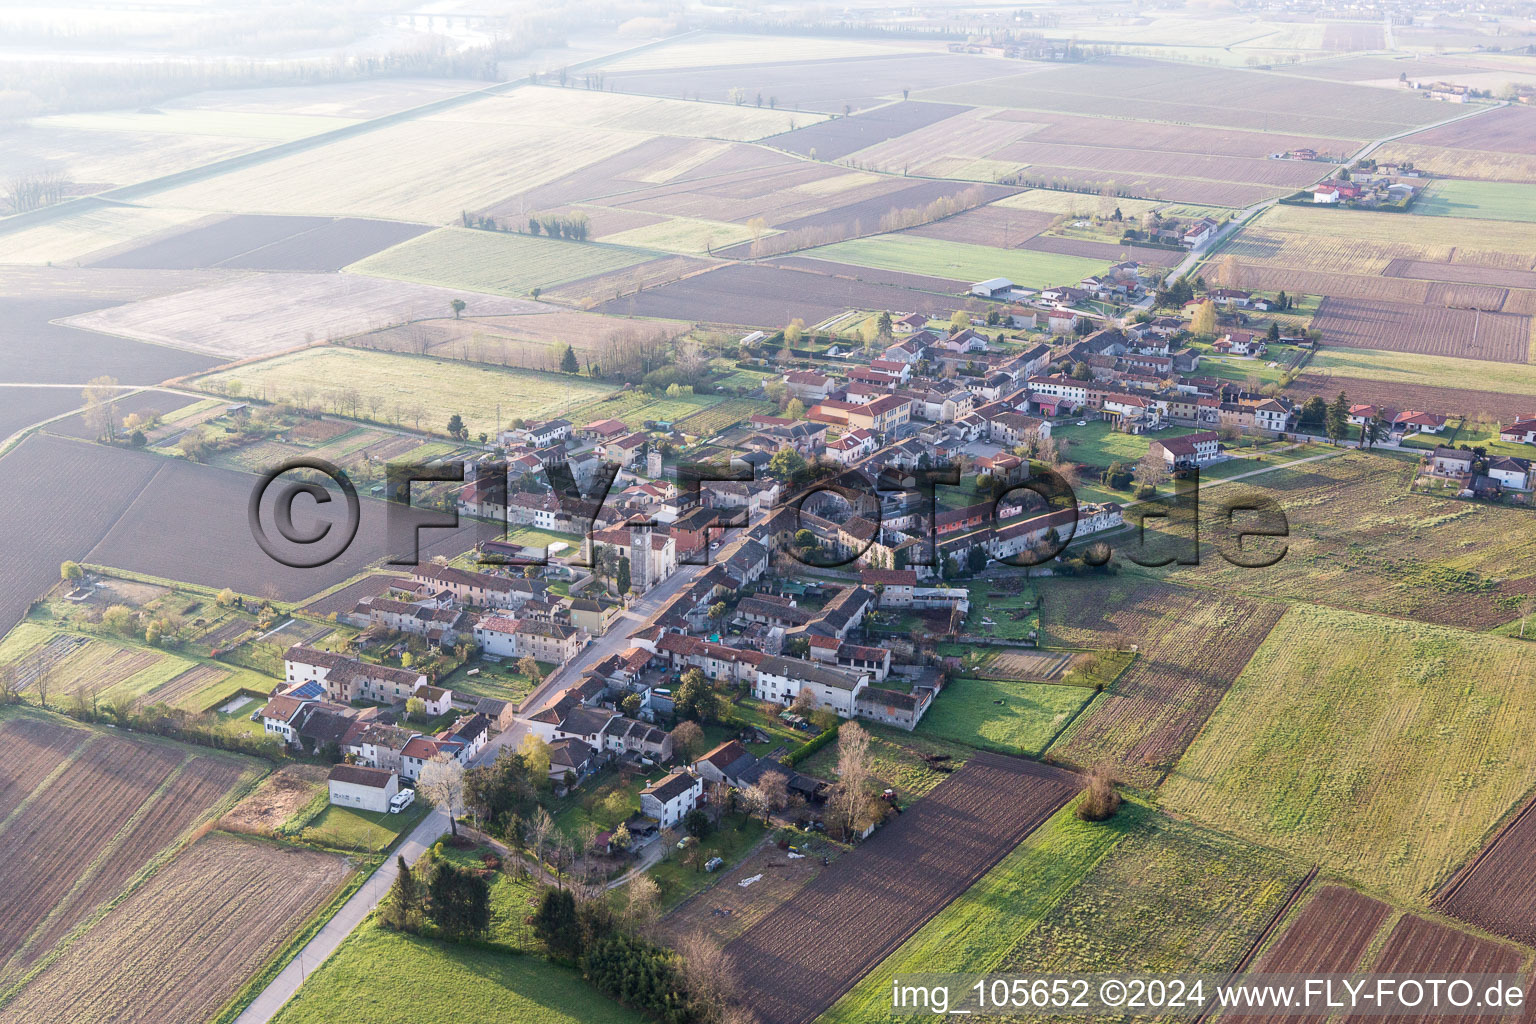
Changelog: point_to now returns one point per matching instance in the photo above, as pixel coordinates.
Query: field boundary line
(1258, 941)
(1466, 871)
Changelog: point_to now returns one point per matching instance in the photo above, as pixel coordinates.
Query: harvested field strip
(1497, 890)
(1419, 946)
(1464, 334)
(1146, 718)
(57, 835)
(226, 633)
(33, 750)
(212, 899)
(1401, 395)
(195, 789)
(798, 960)
(1357, 740)
(1463, 273)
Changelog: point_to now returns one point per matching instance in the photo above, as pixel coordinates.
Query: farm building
(363, 789)
(992, 288)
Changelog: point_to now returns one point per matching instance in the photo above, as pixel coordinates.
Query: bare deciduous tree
(100, 395)
(442, 782)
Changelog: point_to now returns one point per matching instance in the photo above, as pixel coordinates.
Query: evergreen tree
(555, 922)
(1337, 420)
(623, 575)
(568, 363)
(460, 901)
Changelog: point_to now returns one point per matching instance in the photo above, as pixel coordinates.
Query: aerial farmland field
(1360, 540)
(136, 955)
(1359, 741)
(445, 386)
(1218, 97)
(1144, 720)
(975, 933)
(261, 314)
(926, 858)
(498, 262)
(913, 254)
(122, 803)
(1167, 895)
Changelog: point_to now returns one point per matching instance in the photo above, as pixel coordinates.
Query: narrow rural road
(272, 998)
(612, 642)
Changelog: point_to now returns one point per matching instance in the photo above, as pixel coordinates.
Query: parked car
(713, 863)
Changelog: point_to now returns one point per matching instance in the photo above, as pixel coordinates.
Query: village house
(781, 679)
(1450, 462)
(669, 800)
(1188, 450)
(347, 679)
(1521, 431)
(478, 588)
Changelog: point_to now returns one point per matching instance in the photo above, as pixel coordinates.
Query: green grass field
(1483, 200)
(636, 407)
(1011, 717)
(1099, 443)
(1440, 371)
(896, 758)
(345, 828)
(1382, 747)
(498, 262)
(385, 977)
(1169, 896)
(962, 261)
(974, 934)
(441, 386)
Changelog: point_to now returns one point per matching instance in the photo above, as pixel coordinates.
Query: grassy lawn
(503, 681)
(1384, 748)
(441, 386)
(345, 828)
(498, 262)
(962, 261)
(384, 977)
(1007, 716)
(974, 934)
(1012, 613)
(1482, 200)
(1238, 369)
(512, 900)
(763, 715)
(1099, 444)
(734, 839)
(897, 759)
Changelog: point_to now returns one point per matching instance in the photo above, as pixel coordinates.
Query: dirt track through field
(795, 962)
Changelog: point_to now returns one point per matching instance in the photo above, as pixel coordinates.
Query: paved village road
(265, 1006)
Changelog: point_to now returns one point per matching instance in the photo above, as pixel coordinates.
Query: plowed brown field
(179, 948)
(1497, 890)
(796, 961)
